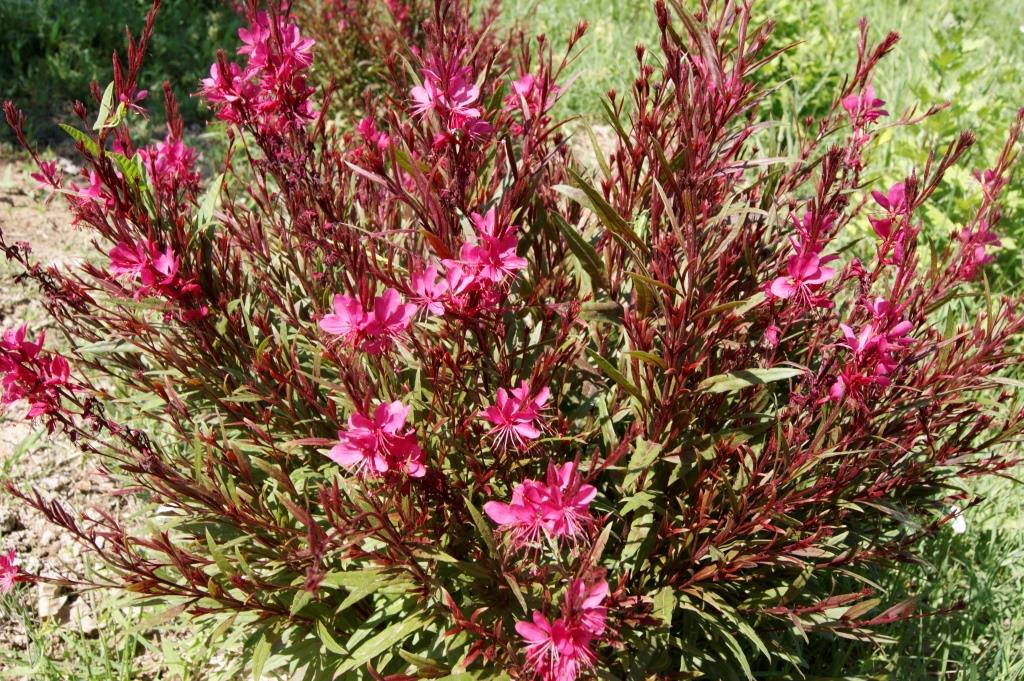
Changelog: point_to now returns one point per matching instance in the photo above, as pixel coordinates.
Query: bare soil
(29, 457)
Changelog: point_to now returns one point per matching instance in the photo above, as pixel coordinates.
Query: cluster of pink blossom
(171, 166)
(132, 100)
(864, 110)
(372, 330)
(559, 649)
(95, 192)
(9, 574)
(157, 273)
(377, 445)
(529, 97)
(28, 373)
(806, 272)
(399, 10)
(271, 91)
(893, 226)
(976, 243)
(48, 178)
(557, 508)
(471, 282)
(449, 91)
(872, 347)
(376, 140)
(514, 413)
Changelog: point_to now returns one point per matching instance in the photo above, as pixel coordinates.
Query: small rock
(9, 521)
(50, 598)
(80, 616)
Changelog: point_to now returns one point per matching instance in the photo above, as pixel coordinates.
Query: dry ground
(28, 457)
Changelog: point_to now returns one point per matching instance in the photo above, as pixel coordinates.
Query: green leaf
(483, 528)
(587, 196)
(208, 203)
(645, 453)
(585, 253)
(616, 376)
(105, 104)
(87, 142)
(330, 643)
(218, 556)
(476, 675)
(745, 378)
(648, 358)
(598, 152)
(636, 501)
(374, 579)
(260, 655)
(385, 640)
(131, 168)
(424, 665)
(664, 604)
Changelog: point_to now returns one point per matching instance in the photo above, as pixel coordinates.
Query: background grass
(50, 50)
(968, 53)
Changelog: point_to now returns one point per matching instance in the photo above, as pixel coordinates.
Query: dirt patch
(28, 456)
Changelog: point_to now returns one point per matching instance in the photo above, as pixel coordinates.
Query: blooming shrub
(364, 45)
(426, 397)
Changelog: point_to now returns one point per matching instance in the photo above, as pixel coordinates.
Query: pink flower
(347, 320)
(389, 317)
(377, 446)
(493, 256)
(373, 330)
(95, 192)
(528, 97)
(162, 270)
(270, 92)
(513, 416)
(448, 90)
(131, 100)
(805, 274)
(554, 650)
(48, 177)
(583, 605)
(556, 509)
(8, 571)
(873, 348)
(426, 97)
(853, 382)
(809, 225)
(129, 260)
(399, 11)
(895, 204)
(171, 166)
(860, 343)
(991, 183)
(157, 272)
(559, 650)
(865, 107)
(293, 53)
(367, 128)
(974, 251)
(229, 86)
(28, 373)
(429, 290)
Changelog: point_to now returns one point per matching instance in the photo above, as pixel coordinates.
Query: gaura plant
(424, 397)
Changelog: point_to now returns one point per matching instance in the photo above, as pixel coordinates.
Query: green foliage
(50, 50)
(966, 56)
(607, 58)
